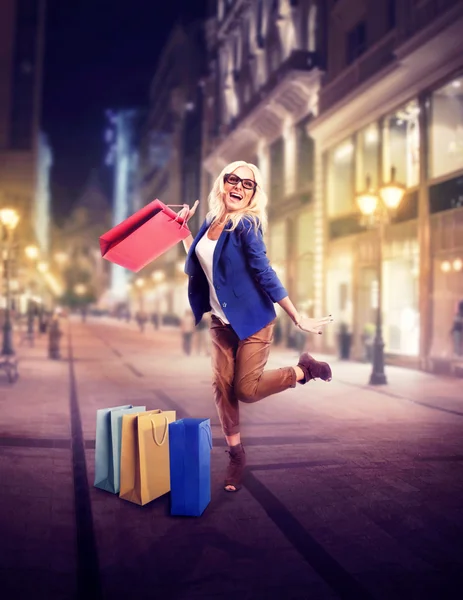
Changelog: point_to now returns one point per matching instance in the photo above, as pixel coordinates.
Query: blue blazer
(247, 287)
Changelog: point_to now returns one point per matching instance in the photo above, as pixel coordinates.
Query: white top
(205, 253)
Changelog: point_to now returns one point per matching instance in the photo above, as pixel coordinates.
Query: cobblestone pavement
(351, 492)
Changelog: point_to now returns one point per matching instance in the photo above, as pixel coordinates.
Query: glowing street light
(32, 252)
(393, 192)
(9, 218)
(42, 267)
(368, 199)
(158, 276)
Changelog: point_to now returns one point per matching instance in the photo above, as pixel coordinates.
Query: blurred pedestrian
(141, 317)
(187, 327)
(231, 277)
(457, 331)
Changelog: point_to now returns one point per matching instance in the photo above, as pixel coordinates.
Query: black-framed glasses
(232, 179)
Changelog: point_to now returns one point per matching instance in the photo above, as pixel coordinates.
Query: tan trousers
(238, 371)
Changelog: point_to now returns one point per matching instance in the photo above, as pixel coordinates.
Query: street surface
(351, 493)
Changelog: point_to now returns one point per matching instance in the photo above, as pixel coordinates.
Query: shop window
(446, 195)
(401, 327)
(446, 143)
(340, 180)
(401, 145)
(367, 157)
(356, 42)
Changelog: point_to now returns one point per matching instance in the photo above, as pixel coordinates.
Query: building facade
(392, 98)
(22, 29)
(266, 60)
(41, 213)
(122, 136)
(84, 276)
(25, 153)
(169, 165)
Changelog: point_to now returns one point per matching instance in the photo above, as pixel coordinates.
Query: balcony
(374, 60)
(297, 67)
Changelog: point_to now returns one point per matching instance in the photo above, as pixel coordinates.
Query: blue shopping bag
(108, 446)
(190, 444)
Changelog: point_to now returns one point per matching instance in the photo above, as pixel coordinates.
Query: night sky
(98, 54)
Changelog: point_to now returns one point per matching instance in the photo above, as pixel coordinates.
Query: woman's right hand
(186, 212)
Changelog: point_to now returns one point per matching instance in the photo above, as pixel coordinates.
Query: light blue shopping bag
(108, 446)
(190, 444)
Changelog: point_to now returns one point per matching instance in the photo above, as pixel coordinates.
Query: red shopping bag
(144, 236)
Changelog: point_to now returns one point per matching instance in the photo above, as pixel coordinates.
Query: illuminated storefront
(390, 146)
(446, 207)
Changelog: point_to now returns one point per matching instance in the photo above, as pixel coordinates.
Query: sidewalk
(351, 492)
(402, 383)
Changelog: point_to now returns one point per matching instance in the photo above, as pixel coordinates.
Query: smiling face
(237, 197)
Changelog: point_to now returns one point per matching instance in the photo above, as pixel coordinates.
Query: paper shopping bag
(144, 236)
(108, 446)
(190, 444)
(145, 472)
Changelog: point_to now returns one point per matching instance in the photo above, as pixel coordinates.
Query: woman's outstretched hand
(314, 325)
(186, 213)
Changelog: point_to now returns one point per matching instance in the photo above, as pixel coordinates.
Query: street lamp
(9, 219)
(376, 208)
(32, 252)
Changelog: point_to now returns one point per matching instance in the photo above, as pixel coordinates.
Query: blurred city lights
(60, 257)
(9, 218)
(32, 252)
(80, 289)
(158, 276)
(393, 192)
(446, 266)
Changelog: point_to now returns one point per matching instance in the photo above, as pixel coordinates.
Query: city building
(41, 212)
(169, 165)
(266, 61)
(22, 30)
(391, 105)
(76, 257)
(122, 136)
(25, 154)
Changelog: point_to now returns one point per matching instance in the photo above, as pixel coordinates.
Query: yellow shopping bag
(145, 468)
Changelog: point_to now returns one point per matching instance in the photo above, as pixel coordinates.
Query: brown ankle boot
(313, 369)
(235, 468)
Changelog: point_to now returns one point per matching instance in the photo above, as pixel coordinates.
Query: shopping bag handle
(176, 218)
(164, 437)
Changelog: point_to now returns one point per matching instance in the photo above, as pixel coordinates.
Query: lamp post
(377, 208)
(9, 219)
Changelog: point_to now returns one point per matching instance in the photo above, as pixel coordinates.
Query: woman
(230, 276)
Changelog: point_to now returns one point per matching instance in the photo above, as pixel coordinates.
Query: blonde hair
(255, 212)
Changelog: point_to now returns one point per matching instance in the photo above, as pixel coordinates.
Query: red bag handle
(176, 218)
